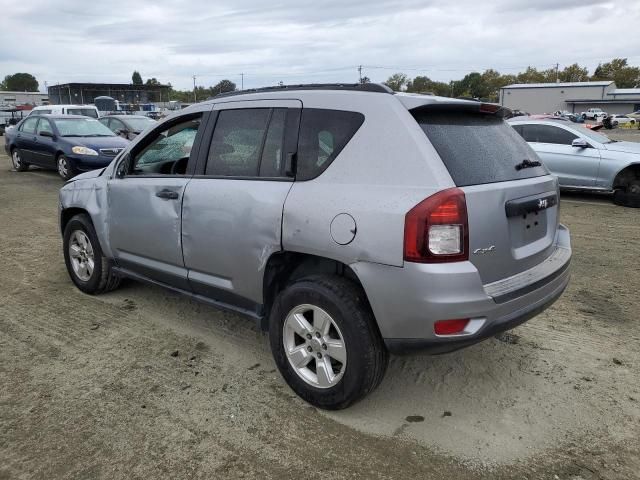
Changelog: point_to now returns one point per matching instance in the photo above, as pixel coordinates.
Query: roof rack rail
(361, 87)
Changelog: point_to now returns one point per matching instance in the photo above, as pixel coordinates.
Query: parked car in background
(635, 115)
(584, 159)
(127, 126)
(240, 201)
(85, 110)
(622, 120)
(573, 117)
(67, 143)
(594, 114)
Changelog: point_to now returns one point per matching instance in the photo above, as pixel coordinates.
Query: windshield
(87, 112)
(598, 137)
(139, 124)
(82, 127)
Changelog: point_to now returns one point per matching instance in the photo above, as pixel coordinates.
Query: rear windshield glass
(87, 112)
(478, 148)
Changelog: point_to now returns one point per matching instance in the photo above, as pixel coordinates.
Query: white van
(86, 110)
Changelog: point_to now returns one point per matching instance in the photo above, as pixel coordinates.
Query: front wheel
(87, 266)
(66, 169)
(16, 159)
(325, 341)
(628, 196)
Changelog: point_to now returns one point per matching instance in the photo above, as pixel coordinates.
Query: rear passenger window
(323, 135)
(547, 134)
(236, 145)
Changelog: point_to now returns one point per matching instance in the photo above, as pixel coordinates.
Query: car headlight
(79, 150)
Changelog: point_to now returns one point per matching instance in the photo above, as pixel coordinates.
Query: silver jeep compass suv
(348, 221)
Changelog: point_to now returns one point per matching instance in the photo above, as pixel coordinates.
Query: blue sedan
(68, 143)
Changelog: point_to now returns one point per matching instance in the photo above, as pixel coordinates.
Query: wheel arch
(68, 213)
(625, 175)
(285, 267)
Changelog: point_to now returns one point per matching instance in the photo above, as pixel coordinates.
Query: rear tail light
(450, 327)
(437, 230)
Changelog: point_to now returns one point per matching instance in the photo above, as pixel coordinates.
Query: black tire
(18, 164)
(584, 117)
(626, 198)
(346, 303)
(102, 278)
(67, 172)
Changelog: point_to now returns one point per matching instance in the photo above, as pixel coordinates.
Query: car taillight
(436, 230)
(450, 327)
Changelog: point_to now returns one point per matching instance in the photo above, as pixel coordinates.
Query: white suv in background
(594, 114)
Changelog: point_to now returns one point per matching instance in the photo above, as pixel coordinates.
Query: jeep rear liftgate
(512, 203)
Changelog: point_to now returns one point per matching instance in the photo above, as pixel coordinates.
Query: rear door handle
(167, 194)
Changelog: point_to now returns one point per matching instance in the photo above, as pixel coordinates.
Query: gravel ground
(141, 383)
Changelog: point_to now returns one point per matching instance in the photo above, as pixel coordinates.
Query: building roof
(605, 83)
(104, 85)
(625, 91)
(11, 92)
(596, 101)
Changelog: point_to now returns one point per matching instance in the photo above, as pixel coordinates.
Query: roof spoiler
(464, 106)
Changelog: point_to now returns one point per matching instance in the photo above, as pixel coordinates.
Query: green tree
(223, 86)
(20, 82)
(136, 78)
(619, 71)
(423, 84)
(574, 73)
(365, 80)
(152, 82)
(396, 81)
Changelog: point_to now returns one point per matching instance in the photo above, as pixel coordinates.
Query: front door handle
(168, 194)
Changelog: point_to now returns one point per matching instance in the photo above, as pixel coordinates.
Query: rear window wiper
(526, 163)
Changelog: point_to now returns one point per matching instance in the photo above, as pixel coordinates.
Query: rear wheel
(325, 341)
(65, 168)
(87, 266)
(16, 159)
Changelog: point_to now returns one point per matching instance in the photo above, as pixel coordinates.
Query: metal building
(85, 93)
(23, 98)
(573, 96)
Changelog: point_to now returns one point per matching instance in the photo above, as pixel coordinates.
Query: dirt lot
(90, 387)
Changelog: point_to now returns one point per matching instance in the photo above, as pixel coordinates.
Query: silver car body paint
(227, 229)
(584, 168)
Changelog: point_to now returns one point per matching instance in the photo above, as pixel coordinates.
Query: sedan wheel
(18, 163)
(65, 169)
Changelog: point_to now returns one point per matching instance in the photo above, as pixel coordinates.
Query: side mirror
(580, 143)
(45, 133)
(122, 167)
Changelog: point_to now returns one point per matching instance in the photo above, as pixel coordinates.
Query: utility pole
(195, 96)
(242, 81)
(557, 74)
(360, 72)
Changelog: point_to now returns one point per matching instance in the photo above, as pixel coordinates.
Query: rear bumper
(407, 301)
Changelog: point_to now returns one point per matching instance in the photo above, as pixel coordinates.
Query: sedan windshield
(598, 137)
(81, 127)
(139, 124)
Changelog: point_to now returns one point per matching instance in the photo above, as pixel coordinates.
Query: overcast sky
(298, 41)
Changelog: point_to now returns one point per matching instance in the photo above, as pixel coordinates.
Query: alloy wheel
(314, 346)
(81, 255)
(17, 161)
(63, 168)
